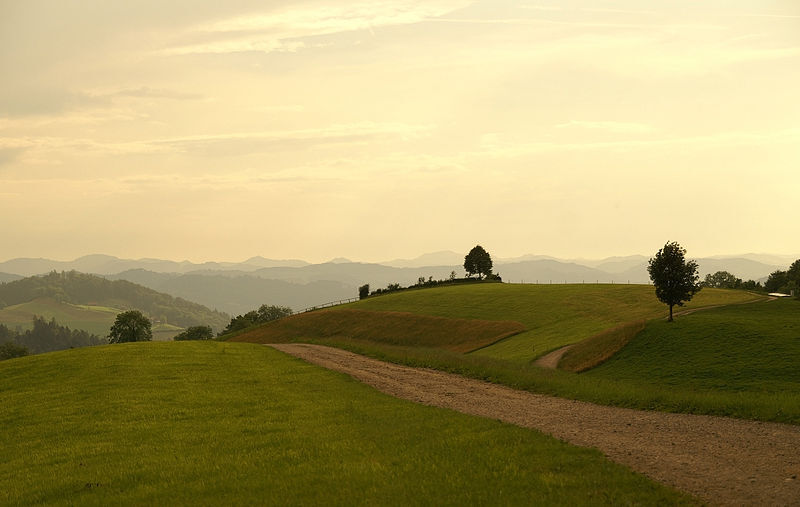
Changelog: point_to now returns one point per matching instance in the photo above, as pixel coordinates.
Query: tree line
(45, 336)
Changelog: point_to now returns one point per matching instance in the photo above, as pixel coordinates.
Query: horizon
(496, 258)
(318, 129)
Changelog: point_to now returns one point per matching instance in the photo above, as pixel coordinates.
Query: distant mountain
(550, 271)
(261, 262)
(746, 269)
(109, 265)
(770, 259)
(82, 289)
(239, 293)
(8, 277)
(442, 258)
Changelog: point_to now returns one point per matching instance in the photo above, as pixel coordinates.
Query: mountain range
(237, 287)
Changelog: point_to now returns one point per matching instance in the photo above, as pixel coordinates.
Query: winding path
(720, 460)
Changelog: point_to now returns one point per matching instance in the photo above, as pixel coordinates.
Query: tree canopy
(195, 333)
(675, 278)
(478, 262)
(265, 313)
(722, 280)
(131, 326)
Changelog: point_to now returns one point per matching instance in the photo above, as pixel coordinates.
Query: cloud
(249, 142)
(500, 146)
(610, 126)
(283, 30)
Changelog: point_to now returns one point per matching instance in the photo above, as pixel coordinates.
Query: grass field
(233, 424)
(634, 391)
(743, 349)
(554, 315)
(94, 319)
(393, 328)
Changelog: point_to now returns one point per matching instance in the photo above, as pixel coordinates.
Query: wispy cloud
(282, 30)
(500, 146)
(610, 126)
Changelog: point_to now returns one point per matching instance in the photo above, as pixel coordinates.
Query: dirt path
(720, 460)
(551, 359)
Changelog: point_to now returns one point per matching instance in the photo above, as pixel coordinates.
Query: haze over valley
(238, 287)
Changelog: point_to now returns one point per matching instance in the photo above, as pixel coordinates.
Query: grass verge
(231, 423)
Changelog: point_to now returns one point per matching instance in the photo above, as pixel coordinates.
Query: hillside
(740, 348)
(553, 315)
(393, 328)
(236, 424)
(76, 298)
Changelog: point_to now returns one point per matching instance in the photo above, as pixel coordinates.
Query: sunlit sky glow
(384, 129)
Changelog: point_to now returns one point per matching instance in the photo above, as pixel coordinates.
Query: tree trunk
(670, 313)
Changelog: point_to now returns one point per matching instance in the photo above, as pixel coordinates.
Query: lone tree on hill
(130, 326)
(675, 278)
(478, 261)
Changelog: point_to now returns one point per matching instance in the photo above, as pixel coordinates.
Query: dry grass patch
(597, 349)
(391, 328)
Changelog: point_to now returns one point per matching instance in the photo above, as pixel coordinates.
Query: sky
(375, 130)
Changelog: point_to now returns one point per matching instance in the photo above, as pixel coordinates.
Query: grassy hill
(82, 301)
(238, 424)
(393, 328)
(557, 315)
(94, 319)
(737, 349)
(553, 315)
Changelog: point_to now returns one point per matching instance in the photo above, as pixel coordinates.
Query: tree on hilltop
(675, 278)
(478, 262)
(131, 326)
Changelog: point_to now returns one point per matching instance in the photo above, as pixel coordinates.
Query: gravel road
(722, 461)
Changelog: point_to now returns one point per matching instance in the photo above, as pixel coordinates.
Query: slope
(553, 315)
(129, 425)
(78, 289)
(737, 349)
(392, 328)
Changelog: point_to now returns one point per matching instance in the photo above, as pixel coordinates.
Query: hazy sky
(382, 129)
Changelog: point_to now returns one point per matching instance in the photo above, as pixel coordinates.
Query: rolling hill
(557, 315)
(82, 301)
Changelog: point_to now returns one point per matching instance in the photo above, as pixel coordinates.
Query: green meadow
(553, 315)
(94, 319)
(742, 349)
(222, 423)
(610, 317)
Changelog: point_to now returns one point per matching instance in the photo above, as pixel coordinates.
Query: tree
(264, 314)
(722, 280)
(195, 333)
(675, 278)
(267, 313)
(10, 350)
(130, 326)
(478, 262)
(363, 291)
(777, 281)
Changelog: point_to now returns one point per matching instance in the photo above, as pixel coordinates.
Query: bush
(10, 350)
